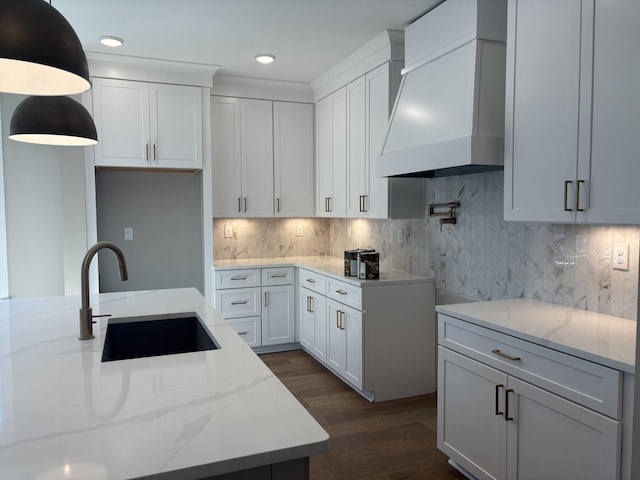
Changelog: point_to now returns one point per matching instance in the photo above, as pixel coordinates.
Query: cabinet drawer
(313, 281)
(249, 329)
(277, 276)
(589, 384)
(344, 293)
(240, 302)
(237, 278)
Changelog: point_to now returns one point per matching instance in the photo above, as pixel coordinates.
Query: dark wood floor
(393, 440)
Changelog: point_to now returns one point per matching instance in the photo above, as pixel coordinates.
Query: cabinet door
(377, 111)
(307, 319)
(352, 329)
(256, 133)
(613, 166)
(357, 181)
(335, 337)
(121, 115)
(278, 315)
(226, 158)
(319, 310)
(324, 139)
(331, 155)
(542, 107)
(553, 438)
(176, 126)
(471, 415)
(293, 159)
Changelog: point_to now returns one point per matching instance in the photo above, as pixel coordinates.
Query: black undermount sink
(155, 335)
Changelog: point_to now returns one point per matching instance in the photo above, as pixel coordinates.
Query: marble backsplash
(482, 256)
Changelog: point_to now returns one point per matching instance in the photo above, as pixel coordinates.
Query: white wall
(45, 214)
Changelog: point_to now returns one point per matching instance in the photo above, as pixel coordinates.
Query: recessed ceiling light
(110, 41)
(265, 58)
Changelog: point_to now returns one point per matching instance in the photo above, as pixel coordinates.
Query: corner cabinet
(511, 409)
(571, 143)
(259, 304)
(147, 125)
(262, 158)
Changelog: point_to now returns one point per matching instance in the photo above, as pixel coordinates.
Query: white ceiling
(307, 36)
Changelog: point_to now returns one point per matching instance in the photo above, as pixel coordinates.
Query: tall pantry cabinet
(572, 116)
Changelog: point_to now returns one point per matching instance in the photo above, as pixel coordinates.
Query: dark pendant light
(40, 54)
(52, 121)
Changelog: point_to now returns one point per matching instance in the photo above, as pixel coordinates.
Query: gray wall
(165, 211)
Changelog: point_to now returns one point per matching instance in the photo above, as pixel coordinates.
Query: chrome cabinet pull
(242, 333)
(239, 204)
(506, 403)
(338, 319)
(146, 152)
(505, 355)
(342, 292)
(308, 303)
(154, 153)
(363, 203)
(578, 209)
(278, 204)
(239, 277)
(311, 280)
(239, 302)
(498, 387)
(566, 195)
(245, 204)
(342, 313)
(311, 304)
(279, 275)
(266, 299)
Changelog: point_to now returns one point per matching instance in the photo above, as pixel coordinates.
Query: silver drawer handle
(311, 280)
(239, 302)
(239, 277)
(279, 275)
(505, 355)
(242, 333)
(342, 292)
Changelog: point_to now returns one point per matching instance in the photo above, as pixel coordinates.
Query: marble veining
(604, 339)
(64, 414)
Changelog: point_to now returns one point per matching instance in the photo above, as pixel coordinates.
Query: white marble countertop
(604, 339)
(324, 264)
(64, 414)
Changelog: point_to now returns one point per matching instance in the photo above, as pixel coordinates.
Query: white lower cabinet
(344, 349)
(313, 323)
(498, 419)
(262, 315)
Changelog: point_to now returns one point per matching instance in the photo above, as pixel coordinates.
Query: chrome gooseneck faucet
(86, 315)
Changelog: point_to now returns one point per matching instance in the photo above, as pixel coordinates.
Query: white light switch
(620, 256)
(228, 231)
(128, 233)
(299, 231)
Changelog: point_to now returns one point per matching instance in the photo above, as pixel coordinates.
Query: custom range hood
(448, 117)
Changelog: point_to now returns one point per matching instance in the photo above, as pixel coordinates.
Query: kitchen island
(65, 414)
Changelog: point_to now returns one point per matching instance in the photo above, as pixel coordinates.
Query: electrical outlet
(620, 257)
(400, 237)
(128, 233)
(228, 231)
(299, 231)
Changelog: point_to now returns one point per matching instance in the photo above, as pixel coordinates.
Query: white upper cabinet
(262, 158)
(331, 155)
(293, 159)
(256, 140)
(571, 143)
(147, 125)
